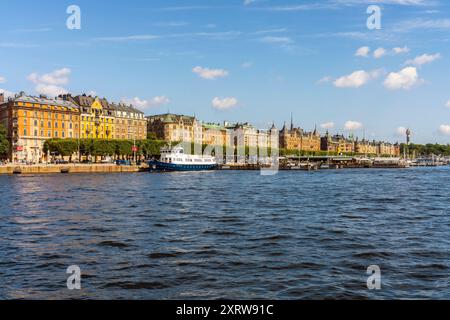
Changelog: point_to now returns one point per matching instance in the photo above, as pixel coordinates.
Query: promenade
(67, 168)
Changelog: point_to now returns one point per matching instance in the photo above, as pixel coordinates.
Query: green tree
(4, 142)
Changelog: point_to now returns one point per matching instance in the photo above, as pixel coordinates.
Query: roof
(87, 101)
(171, 118)
(213, 126)
(44, 101)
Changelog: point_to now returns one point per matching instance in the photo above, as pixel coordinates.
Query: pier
(69, 168)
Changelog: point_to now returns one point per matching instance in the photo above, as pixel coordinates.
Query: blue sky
(256, 61)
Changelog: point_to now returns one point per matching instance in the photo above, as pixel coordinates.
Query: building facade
(214, 134)
(298, 139)
(366, 147)
(30, 121)
(97, 118)
(175, 128)
(130, 123)
(337, 144)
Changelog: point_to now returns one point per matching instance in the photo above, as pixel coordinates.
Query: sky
(256, 61)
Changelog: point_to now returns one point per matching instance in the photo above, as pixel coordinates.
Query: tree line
(102, 148)
(426, 149)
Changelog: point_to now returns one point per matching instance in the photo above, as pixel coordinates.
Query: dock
(68, 169)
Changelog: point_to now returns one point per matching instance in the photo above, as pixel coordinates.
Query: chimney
(2, 98)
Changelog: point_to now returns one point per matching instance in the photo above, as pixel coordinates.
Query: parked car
(60, 161)
(123, 162)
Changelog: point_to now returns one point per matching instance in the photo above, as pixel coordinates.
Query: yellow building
(97, 119)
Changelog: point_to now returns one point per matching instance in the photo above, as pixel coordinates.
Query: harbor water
(227, 234)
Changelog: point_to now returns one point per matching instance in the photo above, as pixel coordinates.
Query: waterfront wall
(49, 169)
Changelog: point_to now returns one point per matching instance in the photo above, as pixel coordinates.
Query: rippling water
(296, 235)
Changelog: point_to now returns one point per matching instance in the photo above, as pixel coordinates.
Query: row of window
(48, 115)
(49, 134)
(49, 124)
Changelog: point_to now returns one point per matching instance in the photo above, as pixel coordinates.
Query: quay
(69, 168)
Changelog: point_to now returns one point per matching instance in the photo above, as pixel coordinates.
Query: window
(49, 134)
(63, 125)
(35, 133)
(25, 131)
(25, 122)
(56, 124)
(35, 123)
(63, 134)
(49, 124)
(56, 134)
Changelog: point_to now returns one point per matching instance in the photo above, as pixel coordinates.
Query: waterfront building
(30, 121)
(214, 134)
(388, 149)
(175, 128)
(130, 123)
(366, 147)
(97, 117)
(337, 144)
(246, 133)
(298, 139)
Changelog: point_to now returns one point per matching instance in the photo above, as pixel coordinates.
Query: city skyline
(255, 61)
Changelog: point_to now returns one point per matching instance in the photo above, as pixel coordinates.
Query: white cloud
(210, 74)
(423, 59)
(325, 79)
(400, 50)
(404, 79)
(159, 101)
(143, 104)
(327, 125)
(50, 84)
(362, 52)
(7, 94)
(2, 79)
(401, 131)
(445, 129)
(380, 52)
(448, 104)
(357, 79)
(225, 103)
(139, 37)
(277, 40)
(57, 77)
(50, 90)
(353, 125)
(396, 2)
(247, 65)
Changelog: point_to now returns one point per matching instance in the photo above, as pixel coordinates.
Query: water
(296, 235)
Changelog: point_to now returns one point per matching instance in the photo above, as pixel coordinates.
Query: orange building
(30, 121)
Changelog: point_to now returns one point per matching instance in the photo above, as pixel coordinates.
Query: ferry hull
(171, 167)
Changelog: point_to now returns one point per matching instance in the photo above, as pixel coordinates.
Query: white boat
(175, 159)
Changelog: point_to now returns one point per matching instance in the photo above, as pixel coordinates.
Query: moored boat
(175, 159)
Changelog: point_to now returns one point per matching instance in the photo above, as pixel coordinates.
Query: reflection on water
(296, 235)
